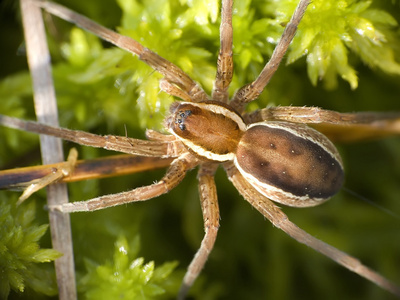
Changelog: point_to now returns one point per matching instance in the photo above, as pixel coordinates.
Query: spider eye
(182, 115)
(290, 163)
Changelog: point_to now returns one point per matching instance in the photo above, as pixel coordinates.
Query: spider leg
(280, 220)
(174, 90)
(252, 90)
(158, 136)
(117, 143)
(360, 132)
(209, 206)
(303, 114)
(339, 127)
(175, 173)
(225, 59)
(170, 71)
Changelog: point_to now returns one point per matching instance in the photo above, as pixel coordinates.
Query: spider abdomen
(290, 163)
(210, 130)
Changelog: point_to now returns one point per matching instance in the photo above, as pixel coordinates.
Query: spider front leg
(209, 207)
(280, 220)
(252, 90)
(225, 56)
(170, 71)
(175, 173)
(162, 146)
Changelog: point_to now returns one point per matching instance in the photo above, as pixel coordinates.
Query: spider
(268, 154)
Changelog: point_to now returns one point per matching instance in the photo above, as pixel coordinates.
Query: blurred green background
(102, 90)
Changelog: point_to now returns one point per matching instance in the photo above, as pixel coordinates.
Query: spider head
(209, 129)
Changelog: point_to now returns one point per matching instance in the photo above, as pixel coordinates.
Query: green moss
(127, 277)
(330, 29)
(20, 253)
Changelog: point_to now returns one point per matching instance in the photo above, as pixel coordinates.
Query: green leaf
(46, 255)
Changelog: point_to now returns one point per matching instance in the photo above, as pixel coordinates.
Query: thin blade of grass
(51, 148)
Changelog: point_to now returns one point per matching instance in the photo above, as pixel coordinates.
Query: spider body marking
(292, 164)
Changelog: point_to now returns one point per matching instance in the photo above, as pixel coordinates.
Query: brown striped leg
(225, 59)
(209, 206)
(170, 71)
(280, 220)
(172, 178)
(252, 90)
(339, 127)
(160, 148)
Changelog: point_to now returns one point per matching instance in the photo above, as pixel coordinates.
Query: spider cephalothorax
(269, 154)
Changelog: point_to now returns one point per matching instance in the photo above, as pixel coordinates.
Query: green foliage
(126, 277)
(330, 28)
(101, 89)
(187, 34)
(20, 253)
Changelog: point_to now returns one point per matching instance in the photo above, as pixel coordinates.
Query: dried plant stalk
(51, 148)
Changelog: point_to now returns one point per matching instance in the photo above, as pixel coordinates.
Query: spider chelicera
(268, 154)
